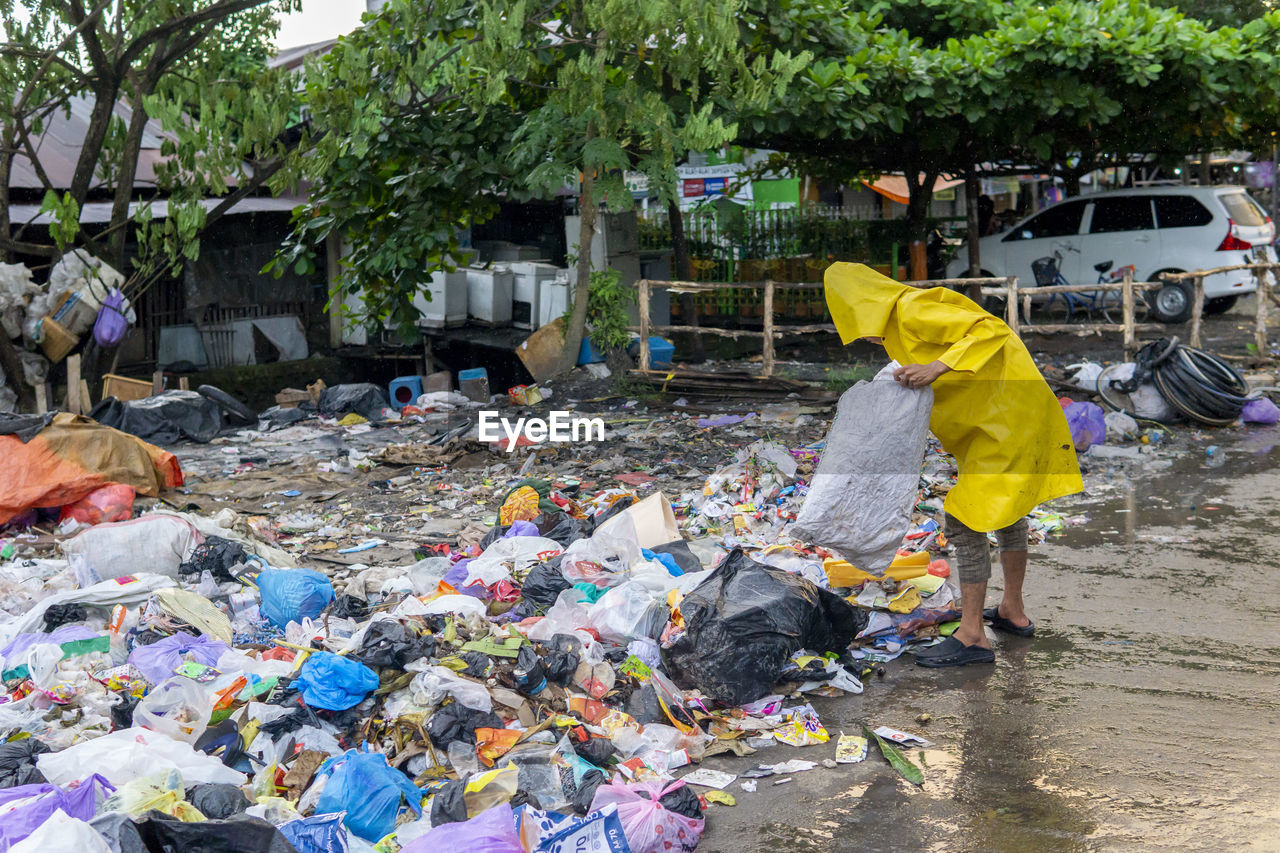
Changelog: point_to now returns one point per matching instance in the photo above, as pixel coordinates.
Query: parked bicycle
(1109, 303)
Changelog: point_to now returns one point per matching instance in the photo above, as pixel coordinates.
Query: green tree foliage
(197, 66)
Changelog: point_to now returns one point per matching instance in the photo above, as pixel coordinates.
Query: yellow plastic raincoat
(993, 411)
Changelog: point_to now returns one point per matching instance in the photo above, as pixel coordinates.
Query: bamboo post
(644, 324)
(1260, 318)
(74, 404)
(768, 328)
(1130, 334)
(1011, 303)
(157, 382)
(1197, 309)
(85, 400)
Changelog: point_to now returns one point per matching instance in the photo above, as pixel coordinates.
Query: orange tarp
(894, 187)
(71, 457)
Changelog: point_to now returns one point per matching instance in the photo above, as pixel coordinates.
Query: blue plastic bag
(1088, 424)
(334, 683)
(291, 595)
(364, 786)
(667, 560)
(322, 833)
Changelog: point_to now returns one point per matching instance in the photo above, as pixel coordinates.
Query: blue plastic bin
(588, 354)
(661, 351)
(403, 390)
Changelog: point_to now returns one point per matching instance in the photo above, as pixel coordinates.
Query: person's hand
(919, 375)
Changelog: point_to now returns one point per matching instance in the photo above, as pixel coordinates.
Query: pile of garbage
(174, 681)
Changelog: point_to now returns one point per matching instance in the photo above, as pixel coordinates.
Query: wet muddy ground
(1143, 716)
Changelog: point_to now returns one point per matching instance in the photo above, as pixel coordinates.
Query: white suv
(1159, 229)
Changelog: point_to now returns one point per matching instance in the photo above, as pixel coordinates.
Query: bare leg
(1014, 564)
(971, 631)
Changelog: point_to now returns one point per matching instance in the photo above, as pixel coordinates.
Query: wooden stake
(42, 398)
(85, 400)
(184, 383)
(1197, 309)
(644, 324)
(157, 382)
(1130, 334)
(1260, 318)
(74, 405)
(1011, 303)
(768, 328)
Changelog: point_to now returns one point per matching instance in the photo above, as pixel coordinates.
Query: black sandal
(992, 615)
(952, 652)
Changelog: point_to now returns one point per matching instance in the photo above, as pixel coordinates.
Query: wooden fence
(1007, 288)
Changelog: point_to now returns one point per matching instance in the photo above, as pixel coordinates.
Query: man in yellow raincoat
(992, 410)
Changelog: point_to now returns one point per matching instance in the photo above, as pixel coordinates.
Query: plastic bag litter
(218, 801)
(110, 503)
(433, 684)
(370, 791)
(334, 683)
(129, 754)
(387, 642)
(158, 543)
(291, 595)
(544, 584)
(23, 809)
(648, 825)
(1121, 427)
(1260, 411)
(548, 832)
(627, 612)
(157, 661)
(164, 418)
(456, 722)
(18, 762)
(62, 832)
(177, 707)
(859, 502)
(162, 792)
(157, 833)
(745, 621)
(492, 831)
(1088, 424)
(360, 398)
(322, 833)
(215, 555)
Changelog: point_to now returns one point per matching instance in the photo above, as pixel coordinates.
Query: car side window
(1061, 220)
(1181, 211)
(1129, 213)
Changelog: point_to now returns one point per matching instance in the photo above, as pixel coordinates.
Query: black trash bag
(18, 763)
(360, 398)
(679, 550)
(277, 418)
(156, 832)
(560, 527)
(388, 643)
(613, 509)
(560, 666)
(215, 555)
(58, 615)
(457, 722)
(350, 607)
(163, 419)
(597, 750)
(495, 533)
(523, 798)
(122, 711)
(478, 664)
(591, 780)
(644, 707)
(682, 801)
(218, 800)
(745, 621)
(448, 806)
(544, 584)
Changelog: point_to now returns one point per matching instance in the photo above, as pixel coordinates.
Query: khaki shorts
(973, 551)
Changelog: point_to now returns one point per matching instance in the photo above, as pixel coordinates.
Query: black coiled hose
(1198, 385)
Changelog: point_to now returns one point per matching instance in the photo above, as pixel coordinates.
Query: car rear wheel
(1171, 303)
(1221, 305)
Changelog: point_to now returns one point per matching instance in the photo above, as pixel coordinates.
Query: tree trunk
(581, 290)
(6, 167)
(1206, 168)
(684, 272)
(94, 135)
(920, 196)
(1071, 183)
(972, 188)
(129, 160)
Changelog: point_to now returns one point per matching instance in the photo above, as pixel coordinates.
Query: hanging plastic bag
(177, 707)
(110, 327)
(370, 791)
(110, 503)
(334, 683)
(291, 595)
(1088, 425)
(859, 502)
(648, 825)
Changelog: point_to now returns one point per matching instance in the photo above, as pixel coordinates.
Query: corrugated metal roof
(98, 213)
